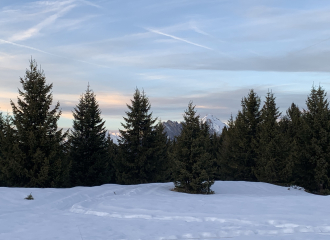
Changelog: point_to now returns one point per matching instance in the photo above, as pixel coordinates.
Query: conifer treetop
(138, 117)
(36, 99)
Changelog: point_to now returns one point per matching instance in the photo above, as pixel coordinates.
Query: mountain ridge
(173, 128)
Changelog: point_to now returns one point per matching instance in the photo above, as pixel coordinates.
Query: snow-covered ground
(237, 210)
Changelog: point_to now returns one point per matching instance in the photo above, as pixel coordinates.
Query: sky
(211, 52)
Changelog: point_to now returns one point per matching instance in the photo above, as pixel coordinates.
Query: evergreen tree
(216, 141)
(11, 157)
(291, 128)
(37, 156)
(228, 164)
(240, 142)
(91, 163)
(112, 155)
(194, 164)
(142, 156)
(314, 164)
(272, 150)
(2, 138)
(2, 121)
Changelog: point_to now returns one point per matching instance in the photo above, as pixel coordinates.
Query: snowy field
(237, 210)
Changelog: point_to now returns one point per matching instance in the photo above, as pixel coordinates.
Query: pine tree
(272, 150)
(2, 121)
(194, 165)
(314, 165)
(240, 142)
(142, 156)
(38, 153)
(2, 142)
(11, 157)
(228, 164)
(112, 155)
(161, 145)
(91, 163)
(291, 128)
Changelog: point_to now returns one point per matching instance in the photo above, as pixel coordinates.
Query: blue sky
(208, 51)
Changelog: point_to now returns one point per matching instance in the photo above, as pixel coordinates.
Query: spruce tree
(314, 165)
(38, 145)
(142, 156)
(291, 128)
(240, 143)
(228, 164)
(2, 142)
(11, 156)
(194, 163)
(272, 149)
(91, 163)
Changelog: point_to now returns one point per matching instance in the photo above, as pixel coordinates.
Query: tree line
(259, 144)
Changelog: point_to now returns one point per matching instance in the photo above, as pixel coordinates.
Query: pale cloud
(37, 28)
(147, 76)
(48, 53)
(106, 99)
(210, 107)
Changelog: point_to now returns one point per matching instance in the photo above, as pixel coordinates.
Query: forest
(259, 144)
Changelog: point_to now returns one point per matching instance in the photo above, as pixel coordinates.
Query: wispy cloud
(48, 53)
(90, 3)
(194, 27)
(177, 38)
(36, 29)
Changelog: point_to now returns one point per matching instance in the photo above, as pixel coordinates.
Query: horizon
(209, 52)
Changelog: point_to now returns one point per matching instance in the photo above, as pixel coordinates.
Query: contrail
(55, 55)
(305, 48)
(177, 38)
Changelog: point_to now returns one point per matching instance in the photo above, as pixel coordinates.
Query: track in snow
(238, 210)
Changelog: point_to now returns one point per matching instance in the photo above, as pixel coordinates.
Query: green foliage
(273, 149)
(227, 152)
(142, 156)
(194, 164)
(12, 157)
(239, 146)
(291, 128)
(34, 149)
(91, 162)
(313, 165)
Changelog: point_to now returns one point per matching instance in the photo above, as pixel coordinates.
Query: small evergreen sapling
(29, 197)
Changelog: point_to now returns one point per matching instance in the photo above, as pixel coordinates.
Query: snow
(214, 123)
(114, 137)
(237, 210)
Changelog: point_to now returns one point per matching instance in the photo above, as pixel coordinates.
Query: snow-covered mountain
(173, 128)
(214, 123)
(114, 137)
